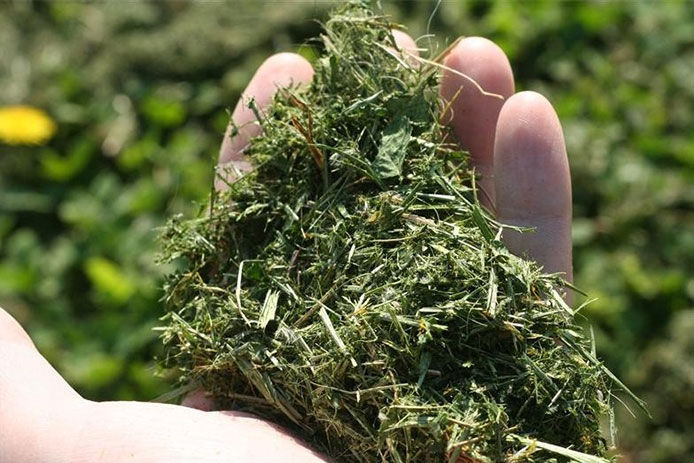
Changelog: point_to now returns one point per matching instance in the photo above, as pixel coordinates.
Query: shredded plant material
(351, 287)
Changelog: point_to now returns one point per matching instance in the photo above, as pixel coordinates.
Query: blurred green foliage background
(141, 94)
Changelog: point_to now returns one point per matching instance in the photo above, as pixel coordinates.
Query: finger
(532, 181)
(473, 115)
(11, 331)
(149, 432)
(24, 373)
(405, 43)
(279, 70)
(50, 422)
(199, 400)
(34, 399)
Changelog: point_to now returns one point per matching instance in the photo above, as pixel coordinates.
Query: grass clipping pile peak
(351, 288)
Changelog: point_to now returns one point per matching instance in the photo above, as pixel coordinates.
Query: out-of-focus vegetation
(140, 97)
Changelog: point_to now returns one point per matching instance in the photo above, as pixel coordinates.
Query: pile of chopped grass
(351, 287)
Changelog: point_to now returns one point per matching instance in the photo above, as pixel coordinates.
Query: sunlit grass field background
(124, 108)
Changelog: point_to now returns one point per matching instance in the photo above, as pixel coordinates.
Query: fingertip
(12, 331)
(531, 165)
(279, 70)
(199, 400)
(405, 42)
(526, 110)
(485, 62)
(282, 69)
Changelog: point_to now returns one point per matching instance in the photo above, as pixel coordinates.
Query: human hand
(517, 147)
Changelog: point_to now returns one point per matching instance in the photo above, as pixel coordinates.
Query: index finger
(280, 70)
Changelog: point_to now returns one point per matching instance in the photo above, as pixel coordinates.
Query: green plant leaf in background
(64, 168)
(109, 280)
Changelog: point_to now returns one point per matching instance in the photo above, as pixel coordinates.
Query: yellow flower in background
(25, 125)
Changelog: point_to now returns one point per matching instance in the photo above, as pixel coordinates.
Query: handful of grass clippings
(351, 287)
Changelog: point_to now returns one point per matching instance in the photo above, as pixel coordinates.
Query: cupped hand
(516, 146)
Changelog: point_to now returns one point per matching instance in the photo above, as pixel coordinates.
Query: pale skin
(517, 147)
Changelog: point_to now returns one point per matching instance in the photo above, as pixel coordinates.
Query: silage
(352, 288)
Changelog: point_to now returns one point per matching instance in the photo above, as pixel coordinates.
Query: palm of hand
(516, 145)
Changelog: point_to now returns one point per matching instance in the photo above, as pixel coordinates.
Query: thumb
(24, 373)
(34, 400)
(42, 419)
